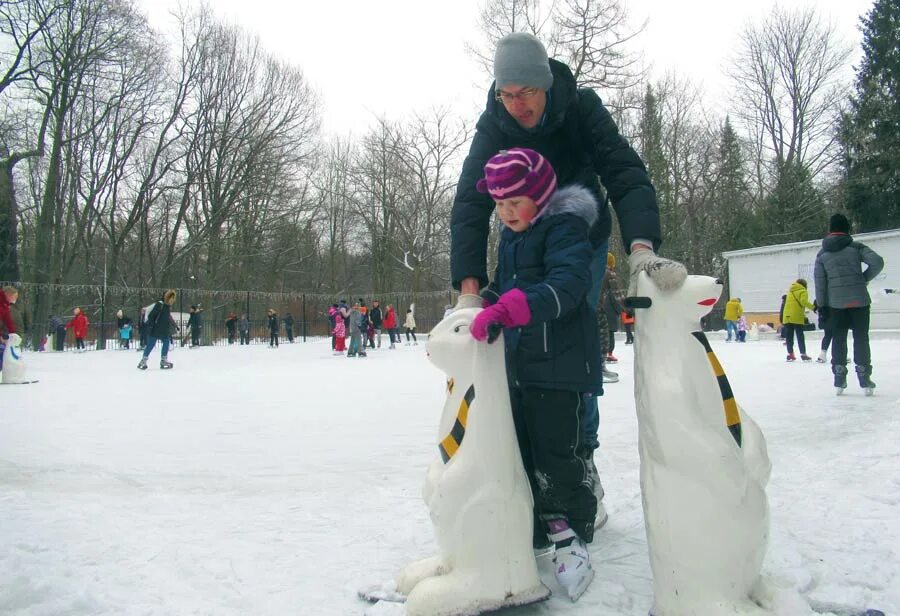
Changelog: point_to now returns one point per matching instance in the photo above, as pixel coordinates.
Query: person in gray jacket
(844, 301)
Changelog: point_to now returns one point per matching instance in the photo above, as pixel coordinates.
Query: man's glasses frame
(508, 97)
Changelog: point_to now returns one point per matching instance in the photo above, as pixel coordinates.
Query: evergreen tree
(871, 132)
(732, 193)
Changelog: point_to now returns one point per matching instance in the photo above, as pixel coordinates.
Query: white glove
(665, 273)
(469, 300)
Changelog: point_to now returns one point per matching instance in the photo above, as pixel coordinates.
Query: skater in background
(742, 328)
(273, 327)
(611, 303)
(160, 326)
(231, 327)
(795, 306)
(339, 333)
(79, 326)
(409, 324)
(332, 321)
(781, 331)
(7, 326)
(355, 318)
(733, 312)
(289, 326)
(844, 299)
(628, 324)
(142, 328)
(376, 317)
(195, 323)
(539, 293)
(57, 329)
(364, 323)
(390, 324)
(124, 326)
(244, 329)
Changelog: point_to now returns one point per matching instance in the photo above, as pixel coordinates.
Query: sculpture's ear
(636, 302)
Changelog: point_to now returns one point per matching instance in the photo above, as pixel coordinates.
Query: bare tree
(593, 37)
(431, 158)
(22, 22)
(789, 81)
(499, 18)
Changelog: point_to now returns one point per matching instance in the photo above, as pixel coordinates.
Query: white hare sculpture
(476, 489)
(704, 465)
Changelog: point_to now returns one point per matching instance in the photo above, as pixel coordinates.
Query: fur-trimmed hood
(573, 199)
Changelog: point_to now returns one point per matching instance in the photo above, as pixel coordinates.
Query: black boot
(864, 373)
(840, 377)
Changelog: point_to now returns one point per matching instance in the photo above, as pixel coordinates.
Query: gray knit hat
(521, 60)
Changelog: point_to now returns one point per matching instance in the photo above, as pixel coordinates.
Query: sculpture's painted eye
(459, 328)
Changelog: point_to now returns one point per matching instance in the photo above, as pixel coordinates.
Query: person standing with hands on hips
(535, 102)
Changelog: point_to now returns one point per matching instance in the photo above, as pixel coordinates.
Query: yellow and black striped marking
(452, 441)
(732, 414)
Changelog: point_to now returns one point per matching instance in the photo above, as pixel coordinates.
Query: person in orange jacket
(78, 325)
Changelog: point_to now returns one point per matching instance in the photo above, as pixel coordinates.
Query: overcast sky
(395, 57)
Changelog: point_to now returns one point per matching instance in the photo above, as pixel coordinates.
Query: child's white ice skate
(571, 562)
(572, 566)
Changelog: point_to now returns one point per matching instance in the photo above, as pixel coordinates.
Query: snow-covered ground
(257, 481)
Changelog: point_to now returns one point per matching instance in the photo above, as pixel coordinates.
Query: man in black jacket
(534, 102)
(377, 318)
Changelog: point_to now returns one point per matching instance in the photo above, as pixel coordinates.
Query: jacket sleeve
(873, 261)
(821, 281)
(804, 301)
(567, 259)
(622, 172)
(471, 214)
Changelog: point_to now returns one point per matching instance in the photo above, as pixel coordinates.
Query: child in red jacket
(78, 325)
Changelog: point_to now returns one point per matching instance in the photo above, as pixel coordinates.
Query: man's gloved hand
(824, 312)
(667, 274)
(511, 310)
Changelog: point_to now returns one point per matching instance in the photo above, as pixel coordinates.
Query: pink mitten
(511, 310)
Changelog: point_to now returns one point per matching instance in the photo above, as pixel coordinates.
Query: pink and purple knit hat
(518, 172)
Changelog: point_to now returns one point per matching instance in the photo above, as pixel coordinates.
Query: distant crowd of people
(364, 327)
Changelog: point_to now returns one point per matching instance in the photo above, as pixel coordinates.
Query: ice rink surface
(271, 482)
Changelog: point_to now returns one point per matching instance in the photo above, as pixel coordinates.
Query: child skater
(340, 334)
(550, 335)
(79, 325)
(742, 329)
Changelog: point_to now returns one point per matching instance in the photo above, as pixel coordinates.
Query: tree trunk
(9, 260)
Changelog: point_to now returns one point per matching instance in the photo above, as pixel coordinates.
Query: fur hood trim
(574, 199)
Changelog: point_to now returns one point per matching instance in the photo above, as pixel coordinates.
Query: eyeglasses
(508, 97)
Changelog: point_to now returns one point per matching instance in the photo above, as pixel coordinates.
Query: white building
(760, 276)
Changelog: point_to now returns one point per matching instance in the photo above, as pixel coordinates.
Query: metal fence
(309, 310)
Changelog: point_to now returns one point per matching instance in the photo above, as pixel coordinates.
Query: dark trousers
(842, 321)
(289, 330)
(629, 333)
(789, 330)
(827, 335)
(151, 342)
(410, 331)
(612, 341)
(245, 337)
(273, 338)
(59, 340)
(195, 336)
(79, 343)
(548, 428)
